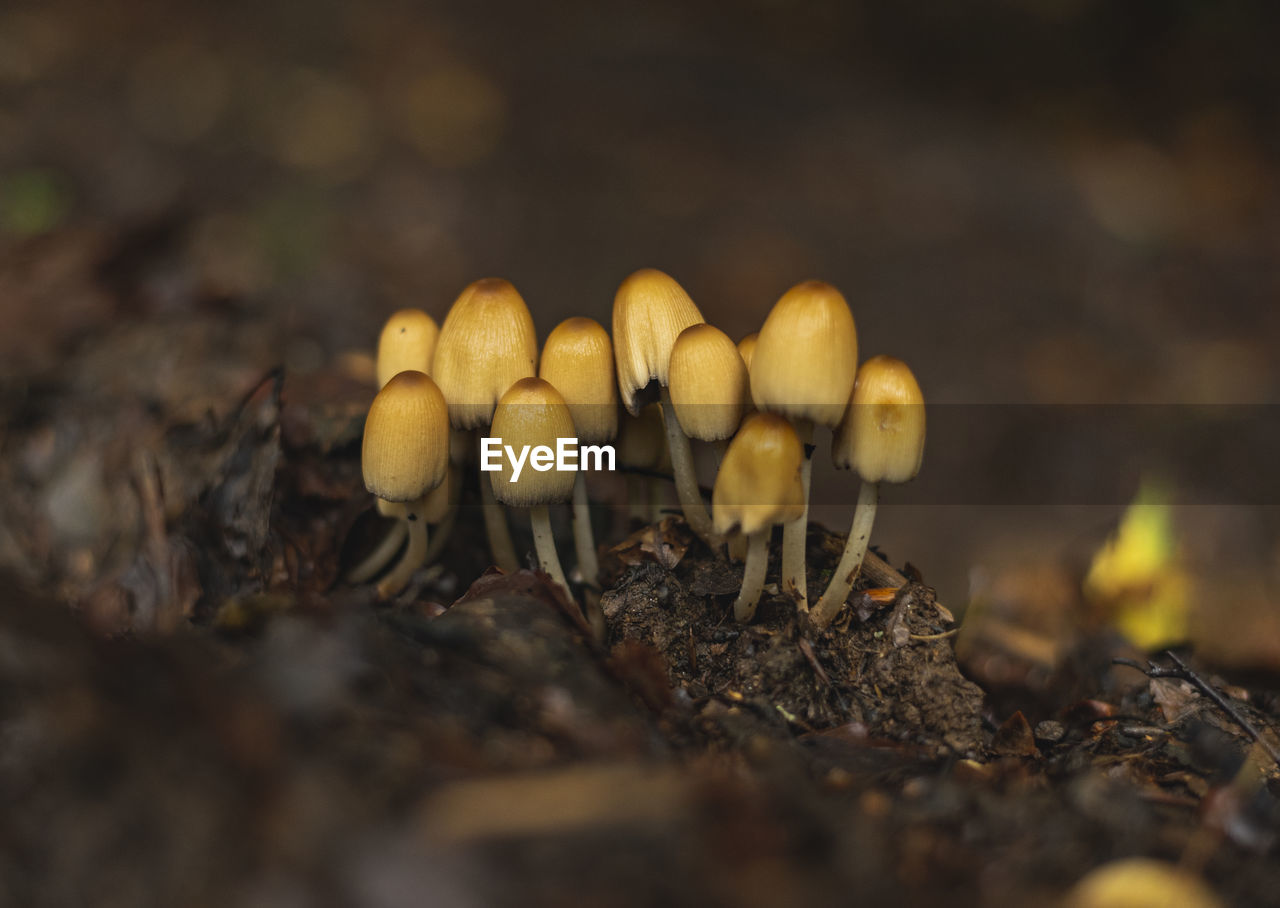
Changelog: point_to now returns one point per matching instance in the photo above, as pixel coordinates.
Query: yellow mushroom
(649, 312)
(486, 345)
(758, 486)
(803, 367)
(577, 360)
(881, 438)
(405, 455)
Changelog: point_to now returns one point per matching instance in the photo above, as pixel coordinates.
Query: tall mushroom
(404, 456)
(533, 416)
(577, 360)
(757, 487)
(882, 438)
(803, 367)
(486, 345)
(649, 312)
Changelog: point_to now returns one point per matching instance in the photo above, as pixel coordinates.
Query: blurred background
(1034, 203)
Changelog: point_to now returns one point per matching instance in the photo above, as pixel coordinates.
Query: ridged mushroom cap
(407, 342)
(806, 355)
(406, 438)
(759, 480)
(882, 433)
(486, 345)
(649, 312)
(531, 413)
(708, 383)
(577, 359)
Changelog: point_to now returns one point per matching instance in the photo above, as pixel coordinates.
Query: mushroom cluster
(756, 401)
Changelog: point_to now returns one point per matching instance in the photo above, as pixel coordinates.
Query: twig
(1184, 673)
(943, 636)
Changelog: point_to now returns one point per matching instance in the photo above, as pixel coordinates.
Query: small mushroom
(882, 438)
(757, 487)
(803, 367)
(649, 312)
(405, 455)
(407, 342)
(486, 345)
(577, 360)
(533, 415)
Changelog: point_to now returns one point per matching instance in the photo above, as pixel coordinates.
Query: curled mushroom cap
(649, 312)
(882, 433)
(806, 355)
(759, 480)
(486, 345)
(406, 438)
(532, 413)
(708, 383)
(407, 342)
(577, 359)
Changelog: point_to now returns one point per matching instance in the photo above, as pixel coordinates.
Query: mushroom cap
(531, 413)
(577, 359)
(747, 348)
(1140, 883)
(759, 480)
(642, 439)
(406, 438)
(649, 312)
(407, 341)
(882, 433)
(708, 383)
(806, 356)
(486, 345)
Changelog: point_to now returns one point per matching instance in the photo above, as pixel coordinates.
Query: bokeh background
(1034, 203)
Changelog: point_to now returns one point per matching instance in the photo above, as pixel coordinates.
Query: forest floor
(219, 719)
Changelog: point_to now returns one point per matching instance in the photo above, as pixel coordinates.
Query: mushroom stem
(495, 526)
(583, 539)
(545, 544)
(444, 529)
(413, 556)
(378, 558)
(744, 607)
(794, 582)
(695, 512)
(855, 549)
